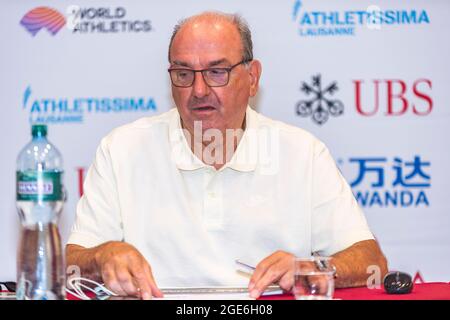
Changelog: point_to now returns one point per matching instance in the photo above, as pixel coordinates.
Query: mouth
(203, 109)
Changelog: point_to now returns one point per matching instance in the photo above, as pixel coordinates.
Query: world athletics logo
(84, 20)
(43, 17)
(345, 22)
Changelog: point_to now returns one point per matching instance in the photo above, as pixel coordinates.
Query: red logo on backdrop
(393, 97)
(418, 278)
(80, 175)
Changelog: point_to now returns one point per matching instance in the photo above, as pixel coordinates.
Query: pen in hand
(244, 266)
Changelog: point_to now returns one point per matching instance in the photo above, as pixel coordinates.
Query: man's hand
(121, 267)
(351, 266)
(276, 268)
(125, 271)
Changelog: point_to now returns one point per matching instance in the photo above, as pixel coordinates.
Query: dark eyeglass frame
(202, 71)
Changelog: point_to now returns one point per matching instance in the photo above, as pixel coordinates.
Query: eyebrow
(181, 63)
(217, 62)
(210, 64)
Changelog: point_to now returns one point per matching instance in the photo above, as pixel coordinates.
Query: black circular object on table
(398, 283)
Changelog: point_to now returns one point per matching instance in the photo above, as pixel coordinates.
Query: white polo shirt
(191, 221)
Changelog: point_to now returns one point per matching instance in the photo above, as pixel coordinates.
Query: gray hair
(235, 19)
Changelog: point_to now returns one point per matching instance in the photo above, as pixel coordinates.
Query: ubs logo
(320, 103)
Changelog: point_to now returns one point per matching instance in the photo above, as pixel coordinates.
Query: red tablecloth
(422, 291)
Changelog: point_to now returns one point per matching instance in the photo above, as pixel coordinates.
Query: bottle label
(39, 185)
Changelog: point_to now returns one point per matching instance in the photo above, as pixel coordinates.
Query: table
(421, 291)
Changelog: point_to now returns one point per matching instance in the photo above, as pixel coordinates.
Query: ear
(255, 70)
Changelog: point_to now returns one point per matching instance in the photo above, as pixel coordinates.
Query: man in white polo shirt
(173, 200)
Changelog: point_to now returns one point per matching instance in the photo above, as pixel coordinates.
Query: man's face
(205, 44)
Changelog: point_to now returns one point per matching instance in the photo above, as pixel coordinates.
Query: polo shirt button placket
(212, 203)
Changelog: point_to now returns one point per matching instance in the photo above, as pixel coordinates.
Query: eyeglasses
(214, 77)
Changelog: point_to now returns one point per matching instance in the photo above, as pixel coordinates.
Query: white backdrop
(391, 75)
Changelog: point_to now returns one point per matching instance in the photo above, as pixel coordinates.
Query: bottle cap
(39, 130)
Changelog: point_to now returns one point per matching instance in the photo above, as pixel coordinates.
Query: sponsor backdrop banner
(369, 78)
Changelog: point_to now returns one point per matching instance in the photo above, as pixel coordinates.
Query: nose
(201, 89)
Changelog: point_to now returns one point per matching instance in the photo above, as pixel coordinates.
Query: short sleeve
(98, 217)
(337, 220)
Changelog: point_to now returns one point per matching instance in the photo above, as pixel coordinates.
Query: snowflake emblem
(320, 106)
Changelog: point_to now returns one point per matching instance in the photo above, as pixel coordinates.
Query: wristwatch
(335, 275)
(323, 266)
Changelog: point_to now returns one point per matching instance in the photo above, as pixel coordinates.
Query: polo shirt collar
(244, 158)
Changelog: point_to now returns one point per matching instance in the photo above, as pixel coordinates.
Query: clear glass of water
(314, 278)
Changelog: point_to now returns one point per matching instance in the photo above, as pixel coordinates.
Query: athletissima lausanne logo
(313, 23)
(73, 110)
(43, 17)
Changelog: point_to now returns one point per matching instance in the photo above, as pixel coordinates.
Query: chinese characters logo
(391, 183)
